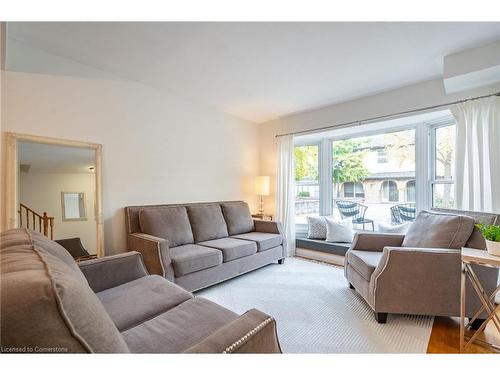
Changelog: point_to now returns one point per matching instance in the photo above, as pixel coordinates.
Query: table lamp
(262, 188)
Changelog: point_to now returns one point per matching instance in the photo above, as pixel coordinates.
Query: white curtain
(477, 160)
(285, 197)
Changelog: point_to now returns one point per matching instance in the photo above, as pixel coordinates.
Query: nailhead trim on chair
(240, 342)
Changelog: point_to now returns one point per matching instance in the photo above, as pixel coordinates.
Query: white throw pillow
(339, 231)
(316, 227)
(400, 228)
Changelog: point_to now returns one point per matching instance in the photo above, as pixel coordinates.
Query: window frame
(425, 154)
(432, 180)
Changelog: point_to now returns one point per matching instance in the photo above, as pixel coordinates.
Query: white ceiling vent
(472, 68)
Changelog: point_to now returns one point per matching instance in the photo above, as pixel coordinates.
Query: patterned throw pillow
(316, 228)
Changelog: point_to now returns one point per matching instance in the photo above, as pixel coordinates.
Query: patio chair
(402, 213)
(355, 211)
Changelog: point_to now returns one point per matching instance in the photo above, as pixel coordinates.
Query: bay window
(385, 166)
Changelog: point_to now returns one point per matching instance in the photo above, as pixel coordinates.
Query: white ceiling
(45, 158)
(260, 71)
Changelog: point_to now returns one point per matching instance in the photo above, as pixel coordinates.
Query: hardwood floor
(445, 337)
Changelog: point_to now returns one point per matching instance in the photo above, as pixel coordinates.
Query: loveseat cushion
(179, 328)
(137, 301)
(46, 304)
(232, 248)
(364, 262)
(191, 258)
(171, 223)
(207, 222)
(238, 217)
(264, 241)
(439, 230)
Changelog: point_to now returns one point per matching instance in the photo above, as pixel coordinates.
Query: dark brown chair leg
(351, 286)
(477, 323)
(281, 261)
(381, 317)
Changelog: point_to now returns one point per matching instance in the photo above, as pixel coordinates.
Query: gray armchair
(419, 273)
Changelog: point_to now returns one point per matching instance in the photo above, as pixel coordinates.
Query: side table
(482, 258)
(263, 217)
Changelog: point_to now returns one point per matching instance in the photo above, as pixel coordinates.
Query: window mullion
(325, 177)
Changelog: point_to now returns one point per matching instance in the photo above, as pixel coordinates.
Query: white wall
(156, 148)
(42, 193)
(412, 97)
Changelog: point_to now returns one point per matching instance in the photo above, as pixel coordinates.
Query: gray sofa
(51, 304)
(419, 273)
(200, 244)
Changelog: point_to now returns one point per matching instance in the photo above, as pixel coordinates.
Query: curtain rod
(371, 119)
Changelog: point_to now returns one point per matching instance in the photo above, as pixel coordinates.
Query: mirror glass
(56, 194)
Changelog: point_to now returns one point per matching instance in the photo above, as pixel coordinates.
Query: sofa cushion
(137, 301)
(238, 217)
(171, 223)
(46, 304)
(179, 328)
(207, 222)
(439, 230)
(364, 262)
(265, 241)
(232, 248)
(191, 258)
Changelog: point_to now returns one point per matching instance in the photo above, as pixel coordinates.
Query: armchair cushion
(171, 223)
(364, 262)
(207, 222)
(439, 230)
(187, 324)
(238, 217)
(132, 303)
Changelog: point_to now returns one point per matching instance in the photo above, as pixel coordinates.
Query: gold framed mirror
(54, 186)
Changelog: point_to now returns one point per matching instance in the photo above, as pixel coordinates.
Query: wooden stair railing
(45, 223)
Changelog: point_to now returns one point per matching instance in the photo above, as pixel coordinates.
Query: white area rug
(316, 312)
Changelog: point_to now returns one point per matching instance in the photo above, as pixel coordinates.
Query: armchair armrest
(252, 332)
(108, 272)
(376, 241)
(417, 281)
(155, 252)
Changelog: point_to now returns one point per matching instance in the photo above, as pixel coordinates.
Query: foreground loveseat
(419, 273)
(49, 303)
(200, 244)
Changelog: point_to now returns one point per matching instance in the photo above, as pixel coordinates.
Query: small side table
(482, 258)
(263, 217)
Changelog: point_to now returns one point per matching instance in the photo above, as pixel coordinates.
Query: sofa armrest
(272, 227)
(376, 241)
(108, 272)
(267, 226)
(252, 332)
(155, 252)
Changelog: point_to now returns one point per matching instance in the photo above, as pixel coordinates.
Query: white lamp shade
(262, 185)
